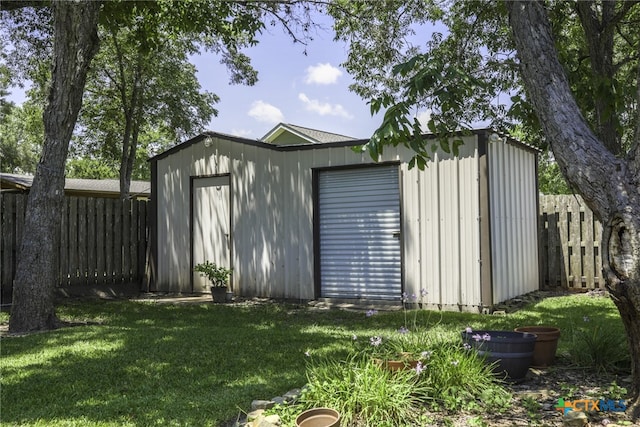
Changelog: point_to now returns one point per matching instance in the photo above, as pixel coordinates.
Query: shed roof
(78, 187)
(303, 134)
(209, 135)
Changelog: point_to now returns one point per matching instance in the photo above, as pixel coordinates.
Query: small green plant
(287, 413)
(218, 275)
(477, 422)
(595, 347)
(532, 406)
(615, 392)
(568, 391)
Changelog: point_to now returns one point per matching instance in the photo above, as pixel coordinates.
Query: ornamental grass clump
(460, 379)
(594, 347)
(366, 394)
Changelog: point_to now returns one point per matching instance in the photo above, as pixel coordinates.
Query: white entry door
(211, 237)
(359, 219)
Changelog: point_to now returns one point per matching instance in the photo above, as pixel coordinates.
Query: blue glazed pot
(509, 353)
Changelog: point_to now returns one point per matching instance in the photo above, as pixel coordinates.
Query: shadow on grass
(200, 365)
(157, 365)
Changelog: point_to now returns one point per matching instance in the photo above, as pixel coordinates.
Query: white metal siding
(359, 217)
(441, 230)
(514, 240)
(272, 219)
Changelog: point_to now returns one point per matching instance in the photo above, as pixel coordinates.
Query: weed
(532, 406)
(568, 391)
(477, 422)
(615, 392)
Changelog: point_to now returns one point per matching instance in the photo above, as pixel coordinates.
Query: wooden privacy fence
(102, 241)
(569, 244)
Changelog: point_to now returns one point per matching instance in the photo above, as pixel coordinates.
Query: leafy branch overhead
(564, 75)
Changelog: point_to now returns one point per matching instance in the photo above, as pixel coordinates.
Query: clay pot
(546, 344)
(318, 417)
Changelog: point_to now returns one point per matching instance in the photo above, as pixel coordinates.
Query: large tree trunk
(75, 44)
(608, 184)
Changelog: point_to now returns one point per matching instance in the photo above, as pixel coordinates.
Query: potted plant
(219, 278)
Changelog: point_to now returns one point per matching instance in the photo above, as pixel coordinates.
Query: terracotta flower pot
(318, 417)
(404, 360)
(546, 344)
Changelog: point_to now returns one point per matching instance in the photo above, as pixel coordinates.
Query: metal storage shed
(319, 220)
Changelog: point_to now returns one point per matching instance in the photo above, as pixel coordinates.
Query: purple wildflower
(403, 330)
(372, 312)
(467, 346)
(476, 337)
(423, 292)
(468, 329)
(405, 297)
(486, 337)
(419, 368)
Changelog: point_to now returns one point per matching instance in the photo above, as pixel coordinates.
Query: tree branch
(10, 5)
(590, 168)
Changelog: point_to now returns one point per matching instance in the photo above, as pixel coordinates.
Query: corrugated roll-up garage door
(359, 219)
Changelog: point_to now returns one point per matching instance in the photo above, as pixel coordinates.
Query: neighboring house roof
(78, 187)
(288, 134)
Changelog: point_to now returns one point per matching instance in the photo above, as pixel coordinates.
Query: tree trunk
(75, 44)
(599, 31)
(132, 119)
(608, 184)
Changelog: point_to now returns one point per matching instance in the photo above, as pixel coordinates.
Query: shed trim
(486, 285)
(315, 146)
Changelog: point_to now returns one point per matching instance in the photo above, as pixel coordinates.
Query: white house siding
(272, 208)
(512, 183)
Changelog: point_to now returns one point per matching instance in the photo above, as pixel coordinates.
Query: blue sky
(307, 90)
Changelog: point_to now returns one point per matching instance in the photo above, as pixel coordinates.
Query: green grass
(199, 365)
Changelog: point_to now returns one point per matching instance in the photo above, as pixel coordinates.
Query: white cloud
(324, 108)
(264, 112)
(322, 74)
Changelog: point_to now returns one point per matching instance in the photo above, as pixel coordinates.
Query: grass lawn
(147, 364)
